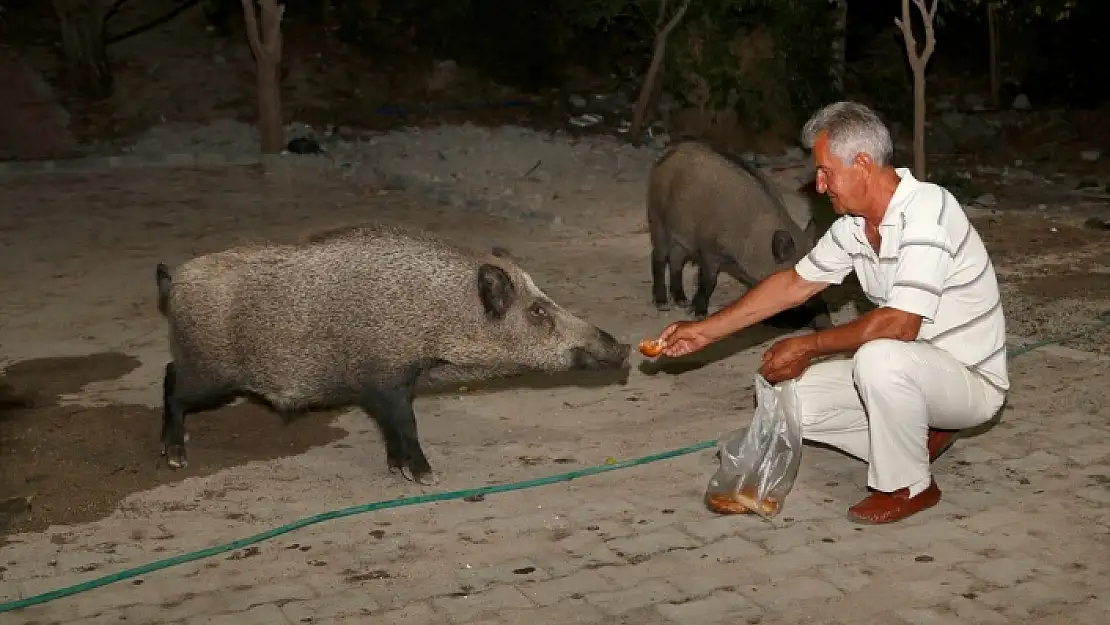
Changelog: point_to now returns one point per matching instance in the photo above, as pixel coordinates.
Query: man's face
(844, 183)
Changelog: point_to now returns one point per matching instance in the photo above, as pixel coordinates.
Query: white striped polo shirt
(931, 263)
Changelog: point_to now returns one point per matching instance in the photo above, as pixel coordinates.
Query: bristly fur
(722, 213)
(354, 315)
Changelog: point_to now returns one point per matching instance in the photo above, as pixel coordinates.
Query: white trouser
(879, 405)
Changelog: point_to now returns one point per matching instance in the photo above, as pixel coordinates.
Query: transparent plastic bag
(759, 463)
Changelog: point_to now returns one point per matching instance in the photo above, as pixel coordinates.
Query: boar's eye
(537, 311)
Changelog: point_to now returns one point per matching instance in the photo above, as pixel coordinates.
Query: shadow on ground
(73, 464)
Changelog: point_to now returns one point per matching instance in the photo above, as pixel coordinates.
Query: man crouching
(929, 360)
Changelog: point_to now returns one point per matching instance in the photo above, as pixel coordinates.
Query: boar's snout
(603, 352)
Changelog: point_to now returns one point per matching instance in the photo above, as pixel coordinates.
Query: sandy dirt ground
(1023, 534)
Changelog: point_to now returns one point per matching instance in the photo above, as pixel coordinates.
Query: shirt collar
(895, 211)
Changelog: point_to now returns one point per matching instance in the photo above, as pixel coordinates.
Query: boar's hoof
(175, 456)
(427, 478)
(663, 306)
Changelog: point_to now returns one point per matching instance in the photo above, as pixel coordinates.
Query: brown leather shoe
(938, 442)
(881, 507)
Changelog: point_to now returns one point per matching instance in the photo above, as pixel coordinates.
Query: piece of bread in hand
(651, 348)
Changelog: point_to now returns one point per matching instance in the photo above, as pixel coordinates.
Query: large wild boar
(356, 316)
(721, 213)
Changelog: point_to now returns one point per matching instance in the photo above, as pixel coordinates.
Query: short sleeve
(925, 258)
(829, 260)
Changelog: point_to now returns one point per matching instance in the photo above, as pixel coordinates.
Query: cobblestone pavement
(1021, 536)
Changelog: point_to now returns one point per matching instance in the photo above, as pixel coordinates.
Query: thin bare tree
(265, 42)
(919, 59)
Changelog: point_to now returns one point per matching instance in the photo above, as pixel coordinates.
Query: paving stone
(513, 571)
(774, 541)
(939, 587)
(735, 549)
(973, 611)
(483, 604)
(527, 524)
(990, 520)
(566, 612)
(647, 594)
(593, 556)
(352, 603)
(718, 576)
(789, 565)
(924, 616)
(720, 607)
(674, 564)
(608, 509)
(239, 598)
(577, 584)
(266, 614)
(412, 614)
(848, 577)
(1028, 598)
(1008, 571)
(643, 545)
(871, 545)
(783, 595)
(712, 530)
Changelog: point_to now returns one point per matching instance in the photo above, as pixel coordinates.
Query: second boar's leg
(658, 277)
(708, 268)
(392, 409)
(677, 262)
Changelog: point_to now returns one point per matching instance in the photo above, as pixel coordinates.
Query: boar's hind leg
(178, 400)
(708, 268)
(392, 409)
(677, 262)
(173, 421)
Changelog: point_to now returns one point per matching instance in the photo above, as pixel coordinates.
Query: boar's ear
(496, 290)
(782, 246)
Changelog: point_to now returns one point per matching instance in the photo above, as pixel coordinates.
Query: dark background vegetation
(747, 70)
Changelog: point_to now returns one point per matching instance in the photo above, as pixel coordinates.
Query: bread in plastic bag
(759, 463)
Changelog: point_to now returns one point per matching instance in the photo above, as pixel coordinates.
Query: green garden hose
(1104, 321)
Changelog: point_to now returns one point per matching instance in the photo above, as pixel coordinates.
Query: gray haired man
(929, 360)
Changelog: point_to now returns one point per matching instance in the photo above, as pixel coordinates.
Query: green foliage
(804, 34)
(754, 57)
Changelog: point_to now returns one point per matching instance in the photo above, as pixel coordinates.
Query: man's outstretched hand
(682, 338)
(787, 359)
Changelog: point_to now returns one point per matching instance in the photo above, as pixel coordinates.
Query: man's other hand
(787, 359)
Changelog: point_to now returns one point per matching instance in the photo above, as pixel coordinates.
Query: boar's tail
(162, 275)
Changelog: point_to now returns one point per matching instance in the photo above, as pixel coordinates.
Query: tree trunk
(647, 89)
(839, 62)
(919, 60)
(919, 163)
(264, 36)
(87, 68)
(270, 124)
